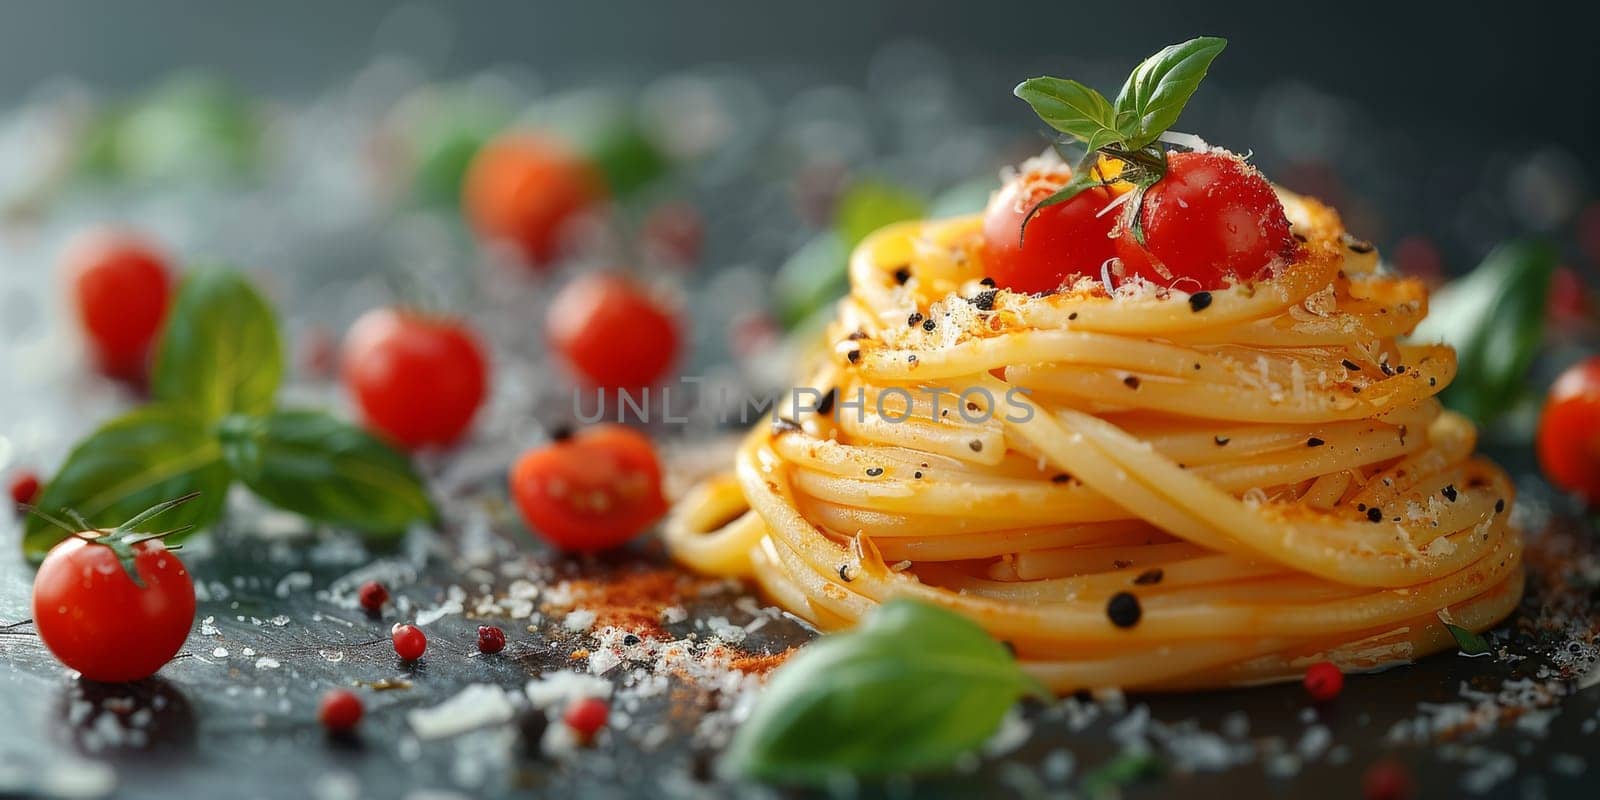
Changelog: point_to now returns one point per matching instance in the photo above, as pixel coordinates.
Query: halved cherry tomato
(524, 187)
(1569, 431)
(612, 333)
(93, 617)
(121, 290)
(1061, 241)
(592, 491)
(418, 379)
(1212, 217)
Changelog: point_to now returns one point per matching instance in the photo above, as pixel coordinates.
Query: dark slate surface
(223, 726)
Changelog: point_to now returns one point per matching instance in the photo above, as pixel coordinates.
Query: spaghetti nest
(1134, 486)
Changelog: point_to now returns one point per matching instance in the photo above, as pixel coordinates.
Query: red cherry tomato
(409, 641)
(94, 618)
(586, 716)
(612, 333)
(1061, 241)
(523, 188)
(417, 379)
(121, 289)
(339, 711)
(1569, 431)
(590, 492)
(24, 488)
(1212, 217)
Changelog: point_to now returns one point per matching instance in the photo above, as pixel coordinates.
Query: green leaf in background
(813, 277)
(818, 273)
(146, 457)
(871, 204)
(219, 351)
(1494, 317)
(1072, 108)
(1159, 88)
(442, 128)
(315, 465)
(191, 126)
(628, 158)
(1125, 770)
(914, 687)
(604, 126)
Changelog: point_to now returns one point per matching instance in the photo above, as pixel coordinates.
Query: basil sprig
(911, 689)
(1127, 129)
(217, 368)
(1494, 317)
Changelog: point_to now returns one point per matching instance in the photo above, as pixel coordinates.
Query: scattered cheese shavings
(477, 705)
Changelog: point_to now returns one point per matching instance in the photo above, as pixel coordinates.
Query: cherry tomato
(592, 491)
(93, 617)
(24, 488)
(121, 290)
(1212, 217)
(1061, 241)
(339, 711)
(409, 641)
(611, 333)
(1569, 431)
(586, 716)
(523, 188)
(418, 379)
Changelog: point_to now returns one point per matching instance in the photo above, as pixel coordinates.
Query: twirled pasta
(1264, 468)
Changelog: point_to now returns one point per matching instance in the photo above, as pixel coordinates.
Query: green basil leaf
(1470, 643)
(1072, 108)
(219, 352)
(914, 687)
(1122, 771)
(146, 457)
(1494, 317)
(1160, 87)
(811, 279)
(869, 205)
(329, 470)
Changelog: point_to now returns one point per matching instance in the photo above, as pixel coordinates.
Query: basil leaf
(1494, 317)
(870, 205)
(1124, 770)
(148, 456)
(911, 689)
(1072, 108)
(219, 352)
(1159, 88)
(811, 279)
(1470, 643)
(320, 467)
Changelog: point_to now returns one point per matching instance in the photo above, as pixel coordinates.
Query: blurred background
(744, 147)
